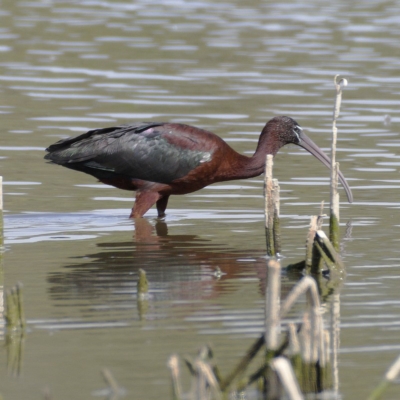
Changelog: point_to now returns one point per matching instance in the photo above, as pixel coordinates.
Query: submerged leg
(162, 205)
(143, 202)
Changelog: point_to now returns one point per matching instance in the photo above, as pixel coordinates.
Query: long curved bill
(307, 144)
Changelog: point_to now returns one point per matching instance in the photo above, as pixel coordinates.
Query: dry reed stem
(334, 194)
(391, 375)
(321, 215)
(286, 375)
(294, 344)
(393, 371)
(207, 378)
(272, 306)
(272, 209)
(315, 327)
(268, 208)
(110, 381)
(307, 283)
(336, 110)
(305, 338)
(276, 221)
(173, 365)
(312, 329)
(335, 339)
(330, 252)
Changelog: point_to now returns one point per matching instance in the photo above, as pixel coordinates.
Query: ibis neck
(249, 167)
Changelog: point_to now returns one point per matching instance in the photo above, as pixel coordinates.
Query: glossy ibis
(159, 159)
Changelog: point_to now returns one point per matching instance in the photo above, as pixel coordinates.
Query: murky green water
(228, 67)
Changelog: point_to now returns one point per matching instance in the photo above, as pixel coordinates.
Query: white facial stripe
(295, 131)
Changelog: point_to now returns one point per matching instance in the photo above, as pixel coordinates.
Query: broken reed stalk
(326, 371)
(294, 353)
(272, 328)
(310, 243)
(320, 253)
(334, 206)
(286, 375)
(276, 227)
(311, 370)
(110, 381)
(313, 260)
(173, 365)
(308, 351)
(315, 331)
(272, 306)
(306, 284)
(206, 379)
(329, 253)
(293, 338)
(272, 205)
(391, 375)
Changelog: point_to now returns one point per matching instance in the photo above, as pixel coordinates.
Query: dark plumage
(160, 159)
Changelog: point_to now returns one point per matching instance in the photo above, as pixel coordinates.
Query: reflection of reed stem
(142, 285)
(10, 311)
(1, 219)
(21, 312)
(15, 325)
(14, 312)
(1, 193)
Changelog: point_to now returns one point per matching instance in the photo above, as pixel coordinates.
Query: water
(66, 68)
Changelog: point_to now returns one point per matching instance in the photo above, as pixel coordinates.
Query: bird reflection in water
(180, 268)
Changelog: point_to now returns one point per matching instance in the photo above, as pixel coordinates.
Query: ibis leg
(162, 205)
(143, 202)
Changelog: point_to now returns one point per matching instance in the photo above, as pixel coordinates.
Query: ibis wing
(143, 151)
